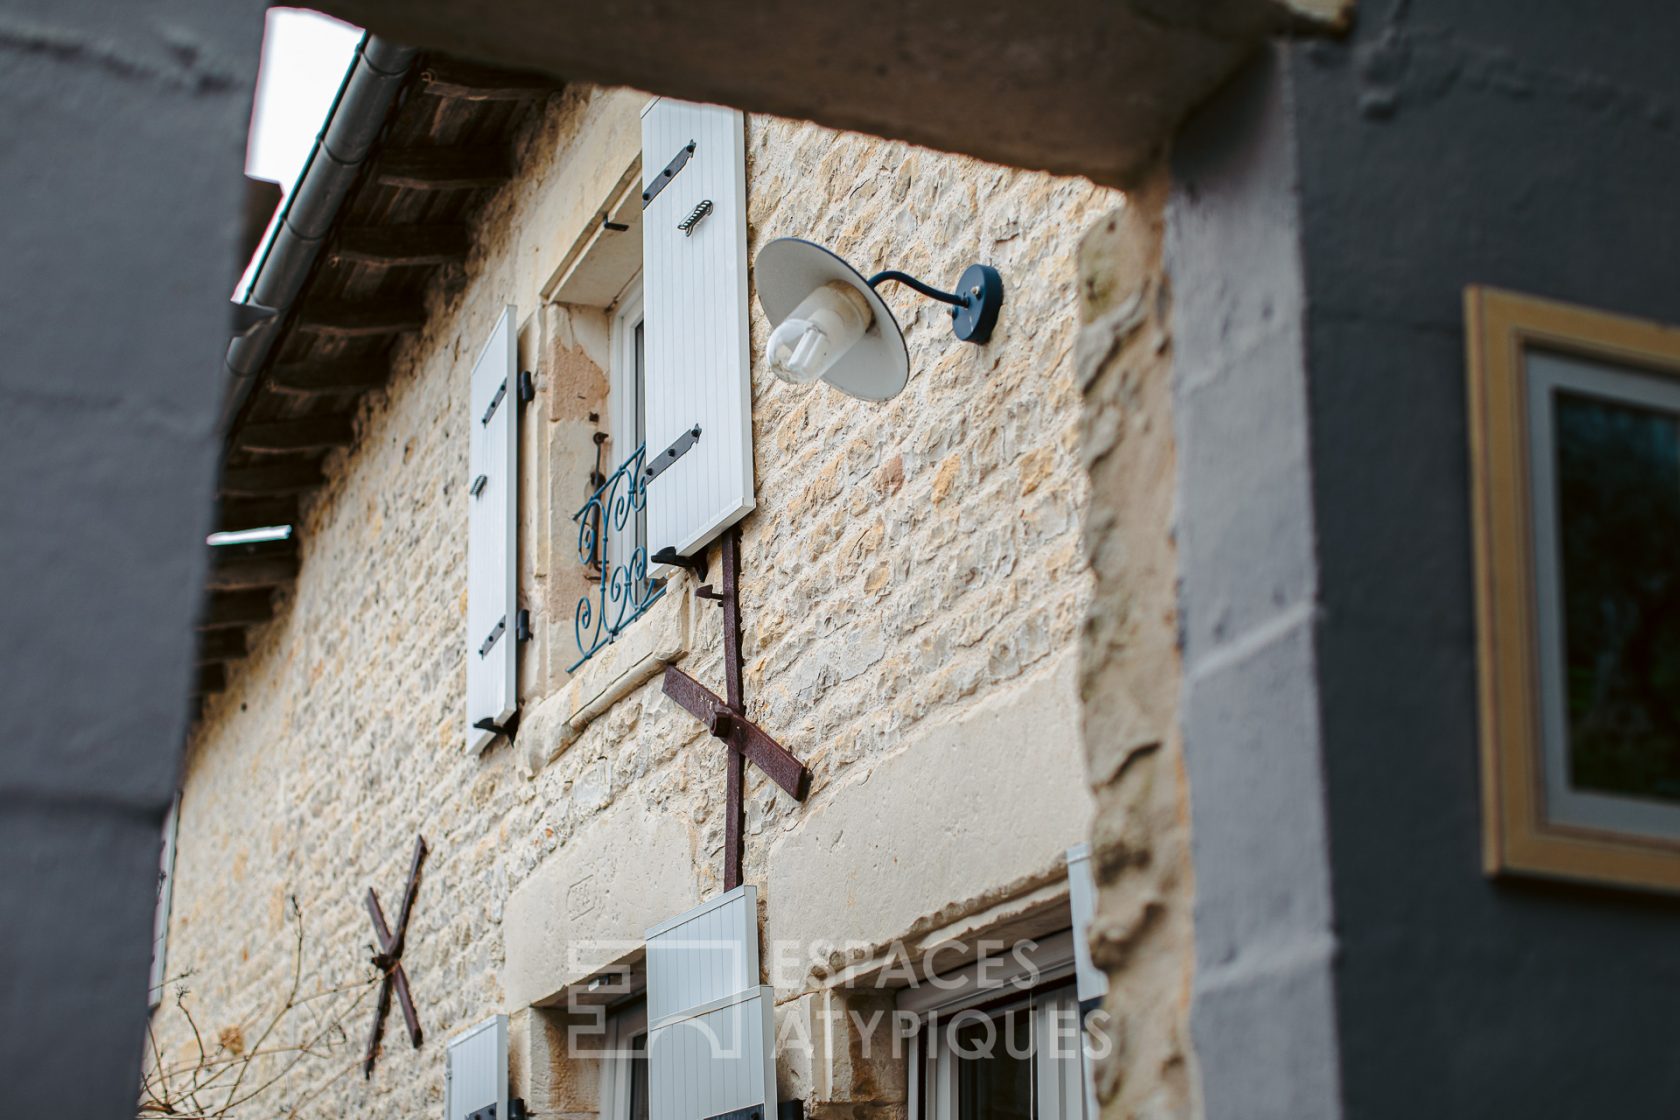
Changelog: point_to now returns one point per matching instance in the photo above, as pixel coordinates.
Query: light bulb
(825, 325)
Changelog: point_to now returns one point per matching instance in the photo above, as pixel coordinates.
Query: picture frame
(1574, 433)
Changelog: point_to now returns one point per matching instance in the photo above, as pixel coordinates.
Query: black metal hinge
(660, 463)
(663, 179)
(786, 1110)
(495, 401)
(496, 631)
(527, 387)
(478, 485)
(516, 1111)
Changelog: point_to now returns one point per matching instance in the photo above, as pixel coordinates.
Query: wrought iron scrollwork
(610, 547)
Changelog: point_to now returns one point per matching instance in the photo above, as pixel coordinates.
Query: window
(1011, 1048)
(160, 915)
(1575, 455)
(627, 409)
(624, 1064)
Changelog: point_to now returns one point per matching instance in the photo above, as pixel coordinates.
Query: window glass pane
(638, 410)
(1618, 492)
(638, 1078)
(995, 1067)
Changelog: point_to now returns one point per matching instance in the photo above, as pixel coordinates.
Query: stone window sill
(655, 640)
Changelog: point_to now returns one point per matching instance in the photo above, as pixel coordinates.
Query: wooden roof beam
(442, 169)
(220, 645)
(310, 433)
(233, 516)
(362, 319)
(235, 609)
(395, 246)
(211, 679)
(251, 572)
(467, 81)
(315, 379)
(268, 482)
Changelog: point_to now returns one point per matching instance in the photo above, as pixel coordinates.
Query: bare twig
(237, 1074)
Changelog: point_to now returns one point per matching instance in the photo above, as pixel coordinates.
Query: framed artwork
(1575, 493)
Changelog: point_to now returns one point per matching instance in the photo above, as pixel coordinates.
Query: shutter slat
(695, 307)
(491, 590)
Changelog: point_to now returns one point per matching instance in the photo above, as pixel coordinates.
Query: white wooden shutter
(694, 285)
(476, 1071)
(1090, 981)
(166, 892)
(710, 1034)
(492, 484)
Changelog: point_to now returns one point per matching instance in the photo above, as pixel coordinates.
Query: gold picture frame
(1516, 343)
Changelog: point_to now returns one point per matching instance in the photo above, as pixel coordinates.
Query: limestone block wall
(914, 583)
(1142, 934)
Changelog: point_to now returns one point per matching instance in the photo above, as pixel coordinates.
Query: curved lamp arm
(928, 290)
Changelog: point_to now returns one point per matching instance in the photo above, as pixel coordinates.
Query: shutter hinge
(496, 631)
(501, 391)
(478, 485)
(663, 179)
(695, 564)
(522, 626)
(661, 462)
(516, 1111)
(527, 387)
(786, 1110)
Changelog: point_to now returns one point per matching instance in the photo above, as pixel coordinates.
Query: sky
(304, 57)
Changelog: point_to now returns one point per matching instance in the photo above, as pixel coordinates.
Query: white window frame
(627, 406)
(165, 894)
(1059, 1079)
(624, 1025)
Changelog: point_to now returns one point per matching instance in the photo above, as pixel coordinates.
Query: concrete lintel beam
(1086, 87)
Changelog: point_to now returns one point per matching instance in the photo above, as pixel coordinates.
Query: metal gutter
(347, 138)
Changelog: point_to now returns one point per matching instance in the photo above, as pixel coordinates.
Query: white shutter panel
(694, 292)
(710, 1034)
(492, 483)
(166, 891)
(1059, 1050)
(1090, 981)
(476, 1072)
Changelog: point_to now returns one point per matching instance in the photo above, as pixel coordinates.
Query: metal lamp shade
(789, 269)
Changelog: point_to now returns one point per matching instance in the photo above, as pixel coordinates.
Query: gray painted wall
(1529, 145)
(121, 150)
(1263, 1013)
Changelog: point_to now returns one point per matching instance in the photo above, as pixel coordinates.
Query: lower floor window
(1018, 1060)
(624, 1064)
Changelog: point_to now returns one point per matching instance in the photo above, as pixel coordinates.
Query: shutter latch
(661, 462)
(695, 216)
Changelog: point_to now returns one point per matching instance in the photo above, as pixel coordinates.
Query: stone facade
(913, 590)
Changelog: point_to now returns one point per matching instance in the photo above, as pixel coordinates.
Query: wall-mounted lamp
(828, 322)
